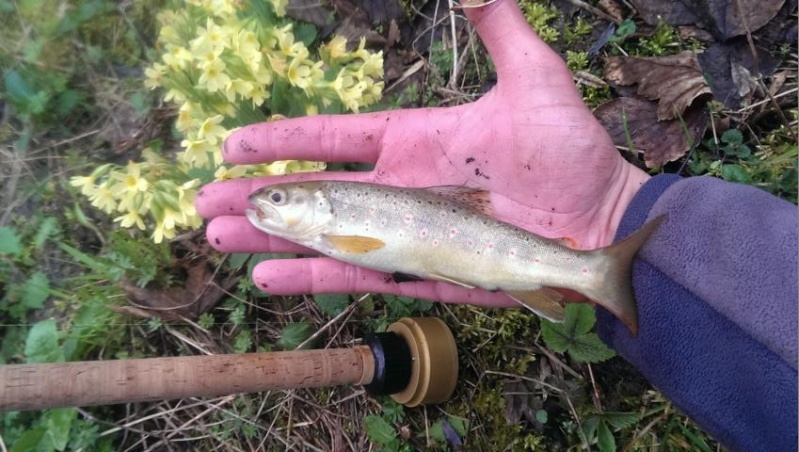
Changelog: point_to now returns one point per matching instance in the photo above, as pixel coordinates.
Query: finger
(325, 275)
(326, 138)
(230, 197)
(510, 40)
(235, 234)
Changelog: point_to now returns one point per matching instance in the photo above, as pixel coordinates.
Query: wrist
(630, 179)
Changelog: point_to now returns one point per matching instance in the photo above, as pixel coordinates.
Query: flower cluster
(228, 63)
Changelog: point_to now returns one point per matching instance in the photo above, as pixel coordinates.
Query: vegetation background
(77, 285)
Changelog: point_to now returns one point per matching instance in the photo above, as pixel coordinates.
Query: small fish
(446, 234)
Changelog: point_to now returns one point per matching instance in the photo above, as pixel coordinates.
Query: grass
(72, 99)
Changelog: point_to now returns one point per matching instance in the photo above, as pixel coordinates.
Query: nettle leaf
(605, 440)
(574, 336)
(9, 241)
(379, 430)
(59, 424)
(332, 304)
(618, 419)
(294, 334)
(41, 345)
(36, 291)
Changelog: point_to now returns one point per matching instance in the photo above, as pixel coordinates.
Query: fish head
(295, 211)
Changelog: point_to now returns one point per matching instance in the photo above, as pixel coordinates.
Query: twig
(335, 319)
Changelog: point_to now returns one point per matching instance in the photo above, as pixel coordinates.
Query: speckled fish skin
(436, 234)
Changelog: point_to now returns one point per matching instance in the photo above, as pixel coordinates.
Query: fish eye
(277, 196)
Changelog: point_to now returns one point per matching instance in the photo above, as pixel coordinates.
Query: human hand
(531, 141)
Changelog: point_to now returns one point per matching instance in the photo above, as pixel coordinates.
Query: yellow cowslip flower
(104, 199)
(248, 47)
(176, 57)
(259, 94)
(129, 219)
(131, 180)
(212, 38)
(195, 152)
(155, 76)
(225, 173)
(85, 183)
(279, 6)
(185, 119)
(162, 231)
(238, 86)
(286, 44)
(311, 110)
(174, 95)
(336, 50)
(211, 131)
(299, 74)
(213, 76)
(372, 66)
(277, 63)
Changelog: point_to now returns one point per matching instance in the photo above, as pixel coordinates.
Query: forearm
(717, 302)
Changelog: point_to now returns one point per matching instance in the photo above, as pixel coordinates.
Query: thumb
(510, 40)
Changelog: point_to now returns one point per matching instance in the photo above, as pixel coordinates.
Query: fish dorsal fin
(473, 199)
(353, 244)
(443, 278)
(544, 302)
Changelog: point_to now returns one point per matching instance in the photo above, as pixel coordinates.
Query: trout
(447, 234)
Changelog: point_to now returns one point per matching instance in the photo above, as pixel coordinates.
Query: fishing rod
(415, 362)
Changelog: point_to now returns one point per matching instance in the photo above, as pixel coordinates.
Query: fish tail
(615, 293)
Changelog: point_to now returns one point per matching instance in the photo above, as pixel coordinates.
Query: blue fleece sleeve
(716, 288)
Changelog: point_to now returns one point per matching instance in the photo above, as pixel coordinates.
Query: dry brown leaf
(660, 141)
(675, 80)
(177, 303)
(613, 9)
(721, 17)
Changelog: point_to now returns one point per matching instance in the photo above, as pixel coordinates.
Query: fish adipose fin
(447, 279)
(615, 293)
(544, 302)
(353, 244)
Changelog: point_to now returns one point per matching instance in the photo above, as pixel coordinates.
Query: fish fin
(400, 277)
(616, 291)
(568, 242)
(443, 278)
(544, 302)
(474, 199)
(354, 244)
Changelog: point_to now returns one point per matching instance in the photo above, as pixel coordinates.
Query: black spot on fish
(399, 277)
(469, 160)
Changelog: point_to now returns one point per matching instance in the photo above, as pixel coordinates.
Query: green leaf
(237, 260)
(16, 87)
(36, 291)
(460, 424)
(605, 440)
(294, 334)
(732, 136)
(33, 440)
(59, 424)
(735, 173)
(48, 227)
(588, 348)
(305, 32)
(332, 304)
(379, 430)
(542, 416)
(9, 241)
(437, 431)
(573, 335)
(620, 420)
(41, 345)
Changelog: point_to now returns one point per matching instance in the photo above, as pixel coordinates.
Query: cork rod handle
(86, 383)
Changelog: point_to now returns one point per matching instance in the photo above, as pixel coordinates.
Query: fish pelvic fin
(544, 302)
(353, 244)
(615, 293)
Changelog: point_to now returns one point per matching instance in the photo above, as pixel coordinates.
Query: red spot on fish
(423, 233)
(537, 261)
(453, 232)
(408, 218)
(585, 270)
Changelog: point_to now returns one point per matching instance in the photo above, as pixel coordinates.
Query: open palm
(530, 141)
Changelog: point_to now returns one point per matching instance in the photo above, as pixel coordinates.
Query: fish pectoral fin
(568, 242)
(544, 302)
(473, 199)
(443, 278)
(353, 244)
